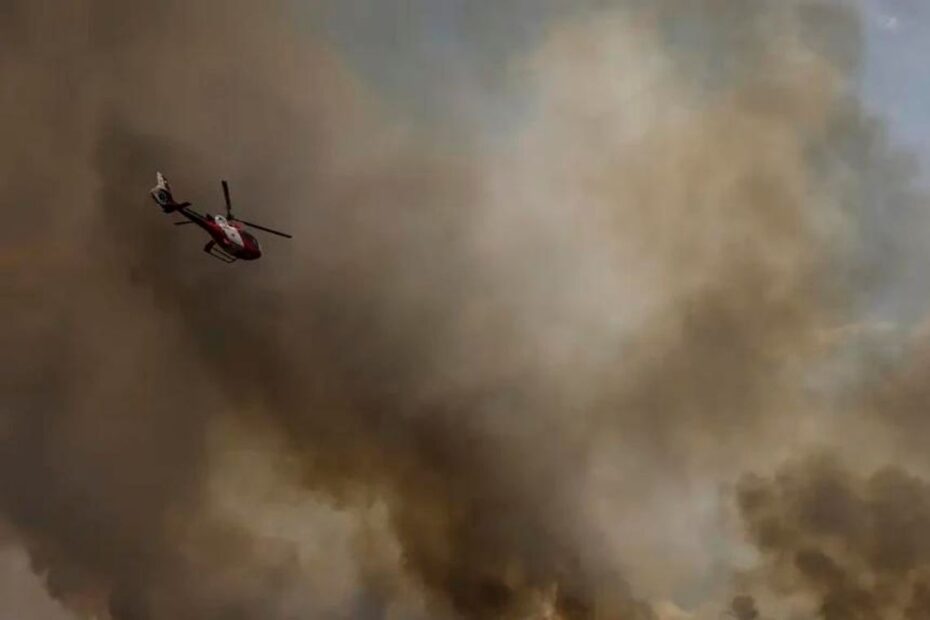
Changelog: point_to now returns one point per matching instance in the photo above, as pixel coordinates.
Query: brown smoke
(476, 355)
(857, 544)
(743, 607)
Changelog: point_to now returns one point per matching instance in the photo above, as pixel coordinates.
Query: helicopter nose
(256, 247)
(253, 249)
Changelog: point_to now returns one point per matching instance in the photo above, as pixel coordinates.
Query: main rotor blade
(228, 201)
(183, 223)
(269, 230)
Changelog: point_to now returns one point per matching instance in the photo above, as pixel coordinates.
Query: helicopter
(229, 240)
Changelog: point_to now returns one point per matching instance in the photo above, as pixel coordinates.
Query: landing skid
(218, 253)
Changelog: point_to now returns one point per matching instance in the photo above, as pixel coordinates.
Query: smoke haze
(554, 367)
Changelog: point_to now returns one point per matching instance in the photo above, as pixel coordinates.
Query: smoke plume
(495, 367)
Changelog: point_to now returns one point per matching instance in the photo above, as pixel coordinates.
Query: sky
(893, 81)
(414, 49)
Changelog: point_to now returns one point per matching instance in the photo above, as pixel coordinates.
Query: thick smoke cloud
(483, 363)
(856, 544)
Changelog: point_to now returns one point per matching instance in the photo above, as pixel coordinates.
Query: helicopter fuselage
(227, 236)
(230, 237)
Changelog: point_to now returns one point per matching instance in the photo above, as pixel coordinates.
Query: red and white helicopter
(229, 241)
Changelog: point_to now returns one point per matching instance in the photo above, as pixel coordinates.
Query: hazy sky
(895, 84)
(422, 52)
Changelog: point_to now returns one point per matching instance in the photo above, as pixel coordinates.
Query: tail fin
(161, 193)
